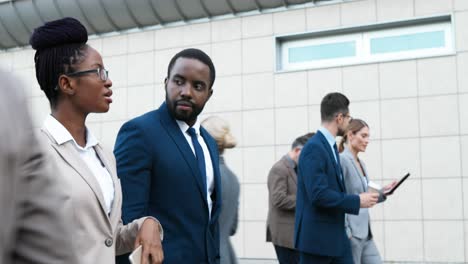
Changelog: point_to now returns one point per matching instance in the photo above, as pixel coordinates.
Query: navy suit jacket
(160, 177)
(321, 201)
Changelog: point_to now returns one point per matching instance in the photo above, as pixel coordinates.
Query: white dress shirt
(88, 155)
(208, 164)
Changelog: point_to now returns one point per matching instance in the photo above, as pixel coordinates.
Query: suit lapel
(291, 171)
(349, 156)
(331, 156)
(70, 155)
(173, 130)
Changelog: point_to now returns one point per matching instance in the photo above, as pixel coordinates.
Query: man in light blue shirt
(322, 202)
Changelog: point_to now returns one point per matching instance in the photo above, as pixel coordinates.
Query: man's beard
(187, 117)
(340, 132)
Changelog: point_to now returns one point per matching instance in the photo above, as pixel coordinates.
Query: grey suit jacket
(35, 220)
(282, 189)
(356, 183)
(98, 237)
(228, 217)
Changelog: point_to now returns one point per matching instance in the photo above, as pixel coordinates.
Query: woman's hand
(389, 186)
(150, 239)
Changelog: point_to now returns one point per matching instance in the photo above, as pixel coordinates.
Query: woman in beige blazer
(74, 79)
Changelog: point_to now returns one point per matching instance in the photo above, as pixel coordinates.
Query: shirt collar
(184, 127)
(328, 136)
(62, 135)
(291, 161)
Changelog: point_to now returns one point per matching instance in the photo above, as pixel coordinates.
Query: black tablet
(397, 185)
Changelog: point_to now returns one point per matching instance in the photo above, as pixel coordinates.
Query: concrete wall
(417, 111)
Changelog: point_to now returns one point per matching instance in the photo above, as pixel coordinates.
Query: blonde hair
(220, 131)
(355, 125)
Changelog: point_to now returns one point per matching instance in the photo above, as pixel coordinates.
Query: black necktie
(338, 160)
(199, 154)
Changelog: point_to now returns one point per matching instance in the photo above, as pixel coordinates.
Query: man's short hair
(333, 104)
(302, 140)
(197, 55)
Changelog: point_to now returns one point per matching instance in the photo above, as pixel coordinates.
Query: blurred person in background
(282, 188)
(35, 208)
(356, 178)
(76, 83)
(220, 131)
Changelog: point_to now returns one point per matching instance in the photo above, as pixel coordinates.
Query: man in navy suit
(322, 202)
(169, 165)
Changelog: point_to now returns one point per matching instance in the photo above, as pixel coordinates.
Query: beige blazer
(282, 189)
(34, 221)
(97, 236)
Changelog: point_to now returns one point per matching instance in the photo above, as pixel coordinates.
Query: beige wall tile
(196, 34)
(141, 41)
(437, 76)
(291, 21)
(140, 68)
(361, 82)
(257, 26)
(257, 163)
(323, 17)
(322, 82)
(223, 30)
(438, 115)
(227, 58)
(398, 79)
(444, 241)
(427, 7)
(115, 45)
(258, 91)
(358, 12)
(227, 94)
(140, 100)
(255, 245)
(257, 206)
(388, 10)
(407, 247)
(461, 19)
(440, 157)
(291, 89)
(109, 133)
(290, 123)
(257, 55)
(462, 69)
(400, 156)
(398, 125)
(165, 38)
(442, 199)
(258, 126)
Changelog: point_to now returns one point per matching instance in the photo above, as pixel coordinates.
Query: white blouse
(88, 155)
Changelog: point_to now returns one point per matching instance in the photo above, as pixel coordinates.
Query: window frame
(362, 35)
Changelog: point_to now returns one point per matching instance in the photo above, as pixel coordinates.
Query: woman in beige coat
(74, 79)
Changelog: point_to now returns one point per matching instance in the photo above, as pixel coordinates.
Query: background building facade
(417, 109)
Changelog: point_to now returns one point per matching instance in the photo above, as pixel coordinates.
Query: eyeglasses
(345, 116)
(102, 73)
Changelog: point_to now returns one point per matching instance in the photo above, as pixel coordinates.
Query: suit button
(108, 242)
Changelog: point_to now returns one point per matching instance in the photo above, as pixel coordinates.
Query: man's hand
(368, 199)
(149, 237)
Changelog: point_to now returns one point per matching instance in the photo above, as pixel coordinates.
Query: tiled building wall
(417, 111)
